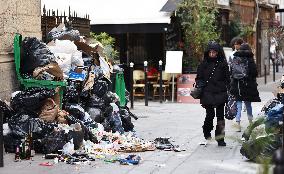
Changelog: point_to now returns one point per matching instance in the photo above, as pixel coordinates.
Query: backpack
(239, 67)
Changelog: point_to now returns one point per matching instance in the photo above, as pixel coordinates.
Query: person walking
(243, 81)
(213, 71)
(236, 43)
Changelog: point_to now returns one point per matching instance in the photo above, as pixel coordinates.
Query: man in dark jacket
(213, 73)
(245, 89)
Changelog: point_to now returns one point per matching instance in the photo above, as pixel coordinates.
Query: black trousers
(208, 122)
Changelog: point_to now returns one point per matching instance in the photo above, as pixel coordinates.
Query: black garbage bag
(31, 99)
(100, 87)
(86, 130)
(23, 122)
(78, 137)
(71, 94)
(107, 125)
(11, 142)
(110, 97)
(126, 120)
(35, 54)
(95, 114)
(116, 123)
(7, 111)
(261, 147)
(75, 110)
(94, 102)
(108, 111)
(54, 142)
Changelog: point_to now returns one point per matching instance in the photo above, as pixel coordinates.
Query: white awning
(113, 11)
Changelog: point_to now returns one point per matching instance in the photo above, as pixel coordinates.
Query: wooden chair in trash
(166, 77)
(138, 83)
(29, 83)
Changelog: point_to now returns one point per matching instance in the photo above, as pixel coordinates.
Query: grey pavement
(180, 121)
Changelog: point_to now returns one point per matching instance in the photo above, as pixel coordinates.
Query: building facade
(16, 16)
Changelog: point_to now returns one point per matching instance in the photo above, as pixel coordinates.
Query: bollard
(161, 80)
(146, 82)
(1, 140)
(273, 70)
(265, 76)
(131, 85)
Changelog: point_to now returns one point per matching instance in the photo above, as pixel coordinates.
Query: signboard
(228, 51)
(184, 86)
(223, 2)
(174, 62)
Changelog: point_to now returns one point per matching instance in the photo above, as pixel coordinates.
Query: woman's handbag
(199, 85)
(231, 108)
(196, 91)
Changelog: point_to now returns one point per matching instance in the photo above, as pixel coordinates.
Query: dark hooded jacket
(246, 89)
(215, 91)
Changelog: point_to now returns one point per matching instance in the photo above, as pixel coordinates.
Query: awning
(171, 5)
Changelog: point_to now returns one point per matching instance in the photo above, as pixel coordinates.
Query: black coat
(215, 91)
(246, 89)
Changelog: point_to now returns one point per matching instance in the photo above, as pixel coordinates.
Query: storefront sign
(223, 2)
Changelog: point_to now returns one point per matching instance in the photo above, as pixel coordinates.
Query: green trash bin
(120, 87)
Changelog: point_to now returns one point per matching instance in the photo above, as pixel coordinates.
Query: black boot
(220, 133)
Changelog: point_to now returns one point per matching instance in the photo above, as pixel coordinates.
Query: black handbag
(199, 85)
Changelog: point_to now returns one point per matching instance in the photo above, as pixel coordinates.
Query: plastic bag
(8, 112)
(11, 141)
(94, 102)
(76, 110)
(22, 122)
(31, 99)
(95, 114)
(54, 142)
(35, 54)
(126, 120)
(231, 108)
(100, 88)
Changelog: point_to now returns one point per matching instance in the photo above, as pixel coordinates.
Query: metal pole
(1, 140)
(131, 85)
(173, 87)
(273, 70)
(146, 82)
(265, 77)
(161, 80)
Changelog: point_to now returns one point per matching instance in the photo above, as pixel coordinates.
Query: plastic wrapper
(35, 54)
(31, 99)
(58, 34)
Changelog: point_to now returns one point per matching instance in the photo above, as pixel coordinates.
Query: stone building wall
(16, 16)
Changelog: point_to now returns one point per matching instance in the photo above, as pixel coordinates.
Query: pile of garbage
(264, 136)
(90, 119)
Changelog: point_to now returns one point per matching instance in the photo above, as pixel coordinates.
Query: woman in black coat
(213, 72)
(245, 89)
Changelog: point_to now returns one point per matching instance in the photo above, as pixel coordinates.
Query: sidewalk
(182, 122)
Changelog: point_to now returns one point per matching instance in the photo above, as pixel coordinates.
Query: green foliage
(108, 43)
(246, 31)
(235, 28)
(198, 20)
